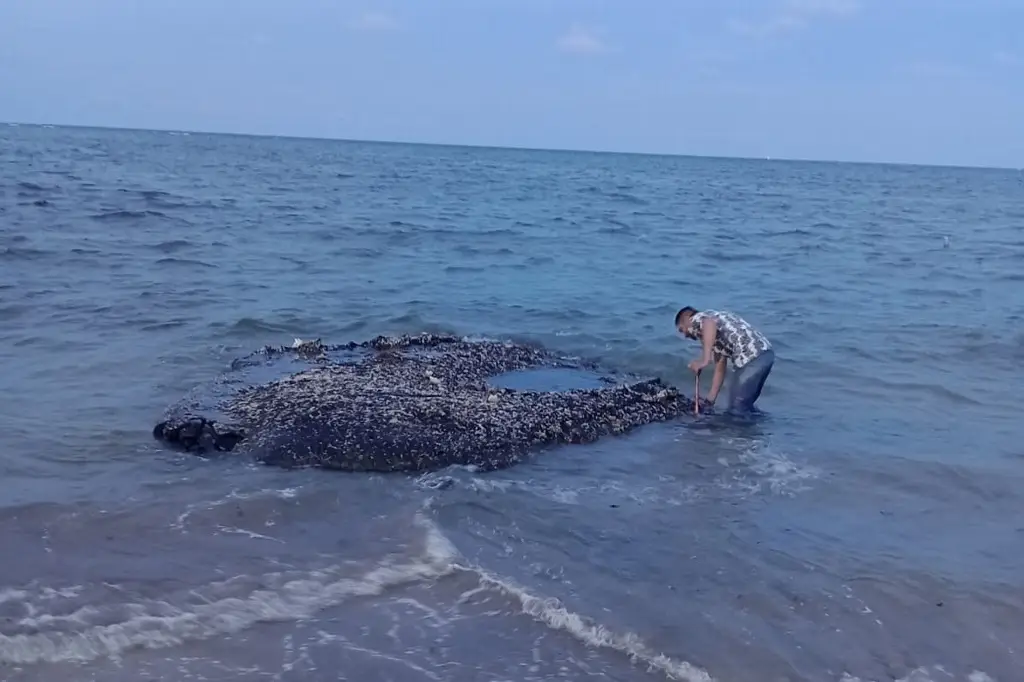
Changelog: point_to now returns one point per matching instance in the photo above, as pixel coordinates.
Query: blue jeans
(747, 381)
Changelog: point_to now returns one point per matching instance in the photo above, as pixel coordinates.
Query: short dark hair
(683, 311)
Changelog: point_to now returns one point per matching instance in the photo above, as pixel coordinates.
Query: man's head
(683, 318)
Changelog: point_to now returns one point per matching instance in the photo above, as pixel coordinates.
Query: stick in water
(696, 394)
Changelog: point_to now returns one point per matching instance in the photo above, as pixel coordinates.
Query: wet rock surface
(413, 403)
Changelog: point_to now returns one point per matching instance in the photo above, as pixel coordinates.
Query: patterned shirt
(734, 337)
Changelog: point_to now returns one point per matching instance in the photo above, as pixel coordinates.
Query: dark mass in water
(416, 403)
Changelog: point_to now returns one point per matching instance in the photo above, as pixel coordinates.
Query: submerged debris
(414, 403)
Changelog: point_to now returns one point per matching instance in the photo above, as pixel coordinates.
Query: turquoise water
(867, 527)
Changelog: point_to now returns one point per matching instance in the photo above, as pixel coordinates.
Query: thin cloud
(581, 40)
(374, 21)
(795, 15)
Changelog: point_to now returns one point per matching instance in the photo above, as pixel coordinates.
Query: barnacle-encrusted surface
(415, 403)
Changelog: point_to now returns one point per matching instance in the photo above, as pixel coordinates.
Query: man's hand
(699, 364)
(706, 405)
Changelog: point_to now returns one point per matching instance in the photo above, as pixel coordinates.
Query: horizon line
(314, 138)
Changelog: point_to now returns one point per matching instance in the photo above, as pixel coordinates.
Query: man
(726, 336)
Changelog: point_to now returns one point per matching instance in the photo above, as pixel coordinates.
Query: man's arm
(718, 378)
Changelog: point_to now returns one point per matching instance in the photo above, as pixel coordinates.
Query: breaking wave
(52, 628)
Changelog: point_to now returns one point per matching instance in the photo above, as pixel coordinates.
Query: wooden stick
(696, 394)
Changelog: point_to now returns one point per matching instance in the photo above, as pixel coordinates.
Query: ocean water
(866, 527)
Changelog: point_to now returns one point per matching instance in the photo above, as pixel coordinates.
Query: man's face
(684, 326)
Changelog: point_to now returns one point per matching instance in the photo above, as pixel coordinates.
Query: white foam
(233, 496)
(373, 653)
(748, 467)
(247, 533)
(160, 624)
(554, 615)
(10, 594)
(779, 473)
(932, 673)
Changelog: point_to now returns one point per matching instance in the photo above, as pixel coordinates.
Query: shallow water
(866, 526)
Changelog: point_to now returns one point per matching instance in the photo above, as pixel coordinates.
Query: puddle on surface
(552, 379)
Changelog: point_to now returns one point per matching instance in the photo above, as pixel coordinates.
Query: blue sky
(924, 81)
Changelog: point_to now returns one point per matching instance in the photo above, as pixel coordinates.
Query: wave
(16, 253)
(91, 632)
(128, 215)
(551, 613)
(26, 189)
(185, 262)
(173, 245)
(160, 624)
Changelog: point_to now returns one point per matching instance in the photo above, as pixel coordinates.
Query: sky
(915, 81)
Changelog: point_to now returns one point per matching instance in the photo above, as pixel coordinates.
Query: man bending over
(724, 336)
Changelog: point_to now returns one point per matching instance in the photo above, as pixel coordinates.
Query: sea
(864, 527)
